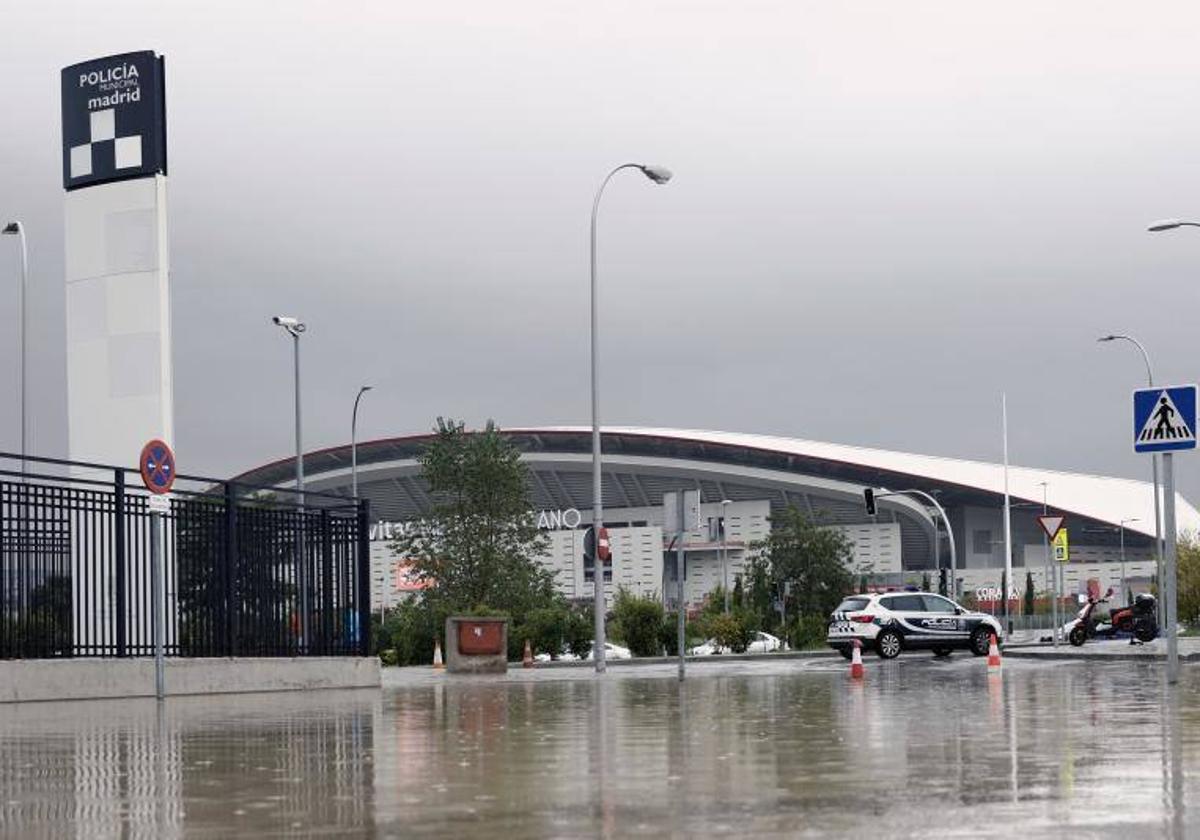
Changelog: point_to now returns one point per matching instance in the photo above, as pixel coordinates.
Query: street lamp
(17, 229)
(883, 492)
(1158, 550)
(1124, 585)
(354, 442)
(295, 328)
(725, 503)
(1170, 224)
(659, 175)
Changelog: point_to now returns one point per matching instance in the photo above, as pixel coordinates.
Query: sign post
(1164, 420)
(157, 466)
(1051, 526)
(681, 513)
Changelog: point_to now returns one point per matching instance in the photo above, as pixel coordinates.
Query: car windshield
(853, 604)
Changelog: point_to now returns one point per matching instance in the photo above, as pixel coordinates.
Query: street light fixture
(17, 229)
(1158, 547)
(659, 175)
(1170, 224)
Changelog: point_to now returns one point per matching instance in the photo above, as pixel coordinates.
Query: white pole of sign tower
(1008, 581)
(116, 260)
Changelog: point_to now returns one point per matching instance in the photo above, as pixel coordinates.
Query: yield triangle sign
(1051, 524)
(1165, 424)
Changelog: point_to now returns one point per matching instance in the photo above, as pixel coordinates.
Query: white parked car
(761, 643)
(612, 651)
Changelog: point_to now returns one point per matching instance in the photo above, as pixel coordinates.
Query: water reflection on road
(922, 747)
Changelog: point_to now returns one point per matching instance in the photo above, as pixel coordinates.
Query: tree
(1029, 595)
(814, 560)
(479, 544)
(1187, 555)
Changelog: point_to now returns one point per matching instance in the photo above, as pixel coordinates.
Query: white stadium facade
(742, 479)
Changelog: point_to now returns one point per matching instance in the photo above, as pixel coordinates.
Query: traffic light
(943, 574)
(869, 498)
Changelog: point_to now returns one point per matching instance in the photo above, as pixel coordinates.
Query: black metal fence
(248, 571)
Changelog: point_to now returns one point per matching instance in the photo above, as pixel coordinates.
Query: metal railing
(249, 571)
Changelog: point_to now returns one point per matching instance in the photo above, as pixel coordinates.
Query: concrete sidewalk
(1117, 649)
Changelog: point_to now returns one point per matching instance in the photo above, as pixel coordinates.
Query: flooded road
(922, 748)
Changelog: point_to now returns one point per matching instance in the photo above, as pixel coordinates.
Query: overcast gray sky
(884, 215)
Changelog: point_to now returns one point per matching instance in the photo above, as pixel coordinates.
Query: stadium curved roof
(1100, 498)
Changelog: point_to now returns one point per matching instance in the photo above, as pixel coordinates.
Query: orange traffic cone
(527, 660)
(437, 655)
(856, 666)
(993, 654)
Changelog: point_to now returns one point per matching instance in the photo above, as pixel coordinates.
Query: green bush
(808, 632)
(546, 629)
(638, 622)
(730, 632)
(388, 657)
(580, 631)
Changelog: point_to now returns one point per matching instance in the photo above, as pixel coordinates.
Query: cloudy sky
(884, 215)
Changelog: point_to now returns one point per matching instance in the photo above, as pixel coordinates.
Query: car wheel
(942, 651)
(1077, 636)
(888, 644)
(846, 653)
(981, 640)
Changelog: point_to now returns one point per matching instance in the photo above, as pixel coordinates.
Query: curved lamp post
(1158, 552)
(354, 441)
(659, 175)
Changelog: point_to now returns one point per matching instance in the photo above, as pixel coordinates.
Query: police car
(890, 622)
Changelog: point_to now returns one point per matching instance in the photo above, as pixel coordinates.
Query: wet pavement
(921, 748)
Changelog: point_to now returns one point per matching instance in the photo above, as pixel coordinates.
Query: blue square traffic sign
(1164, 419)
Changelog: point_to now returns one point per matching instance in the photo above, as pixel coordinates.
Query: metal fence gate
(249, 571)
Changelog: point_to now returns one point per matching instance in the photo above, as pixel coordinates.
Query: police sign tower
(114, 167)
(1164, 420)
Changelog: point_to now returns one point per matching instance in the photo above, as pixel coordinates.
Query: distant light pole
(17, 229)
(725, 503)
(659, 175)
(354, 441)
(295, 328)
(1158, 550)
(1124, 585)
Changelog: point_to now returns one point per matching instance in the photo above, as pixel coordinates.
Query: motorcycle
(1139, 618)
(1084, 625)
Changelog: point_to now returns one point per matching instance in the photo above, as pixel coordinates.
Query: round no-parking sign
(157, 465)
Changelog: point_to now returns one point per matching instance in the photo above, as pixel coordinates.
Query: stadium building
(742, 480)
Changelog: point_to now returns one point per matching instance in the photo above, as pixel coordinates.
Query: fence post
(364, 577)
(326, 584)
(121, 583)
(229, 619)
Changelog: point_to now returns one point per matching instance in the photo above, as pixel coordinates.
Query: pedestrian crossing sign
(1164, 419)
(1062, 546)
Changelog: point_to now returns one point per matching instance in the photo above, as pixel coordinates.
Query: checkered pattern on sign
(126, 151)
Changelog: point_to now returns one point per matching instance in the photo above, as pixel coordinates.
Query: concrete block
(476, 645)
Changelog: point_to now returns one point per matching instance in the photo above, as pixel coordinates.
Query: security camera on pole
(1164, 421)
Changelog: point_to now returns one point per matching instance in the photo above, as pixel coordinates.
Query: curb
(693, 660)
(1095, 656)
